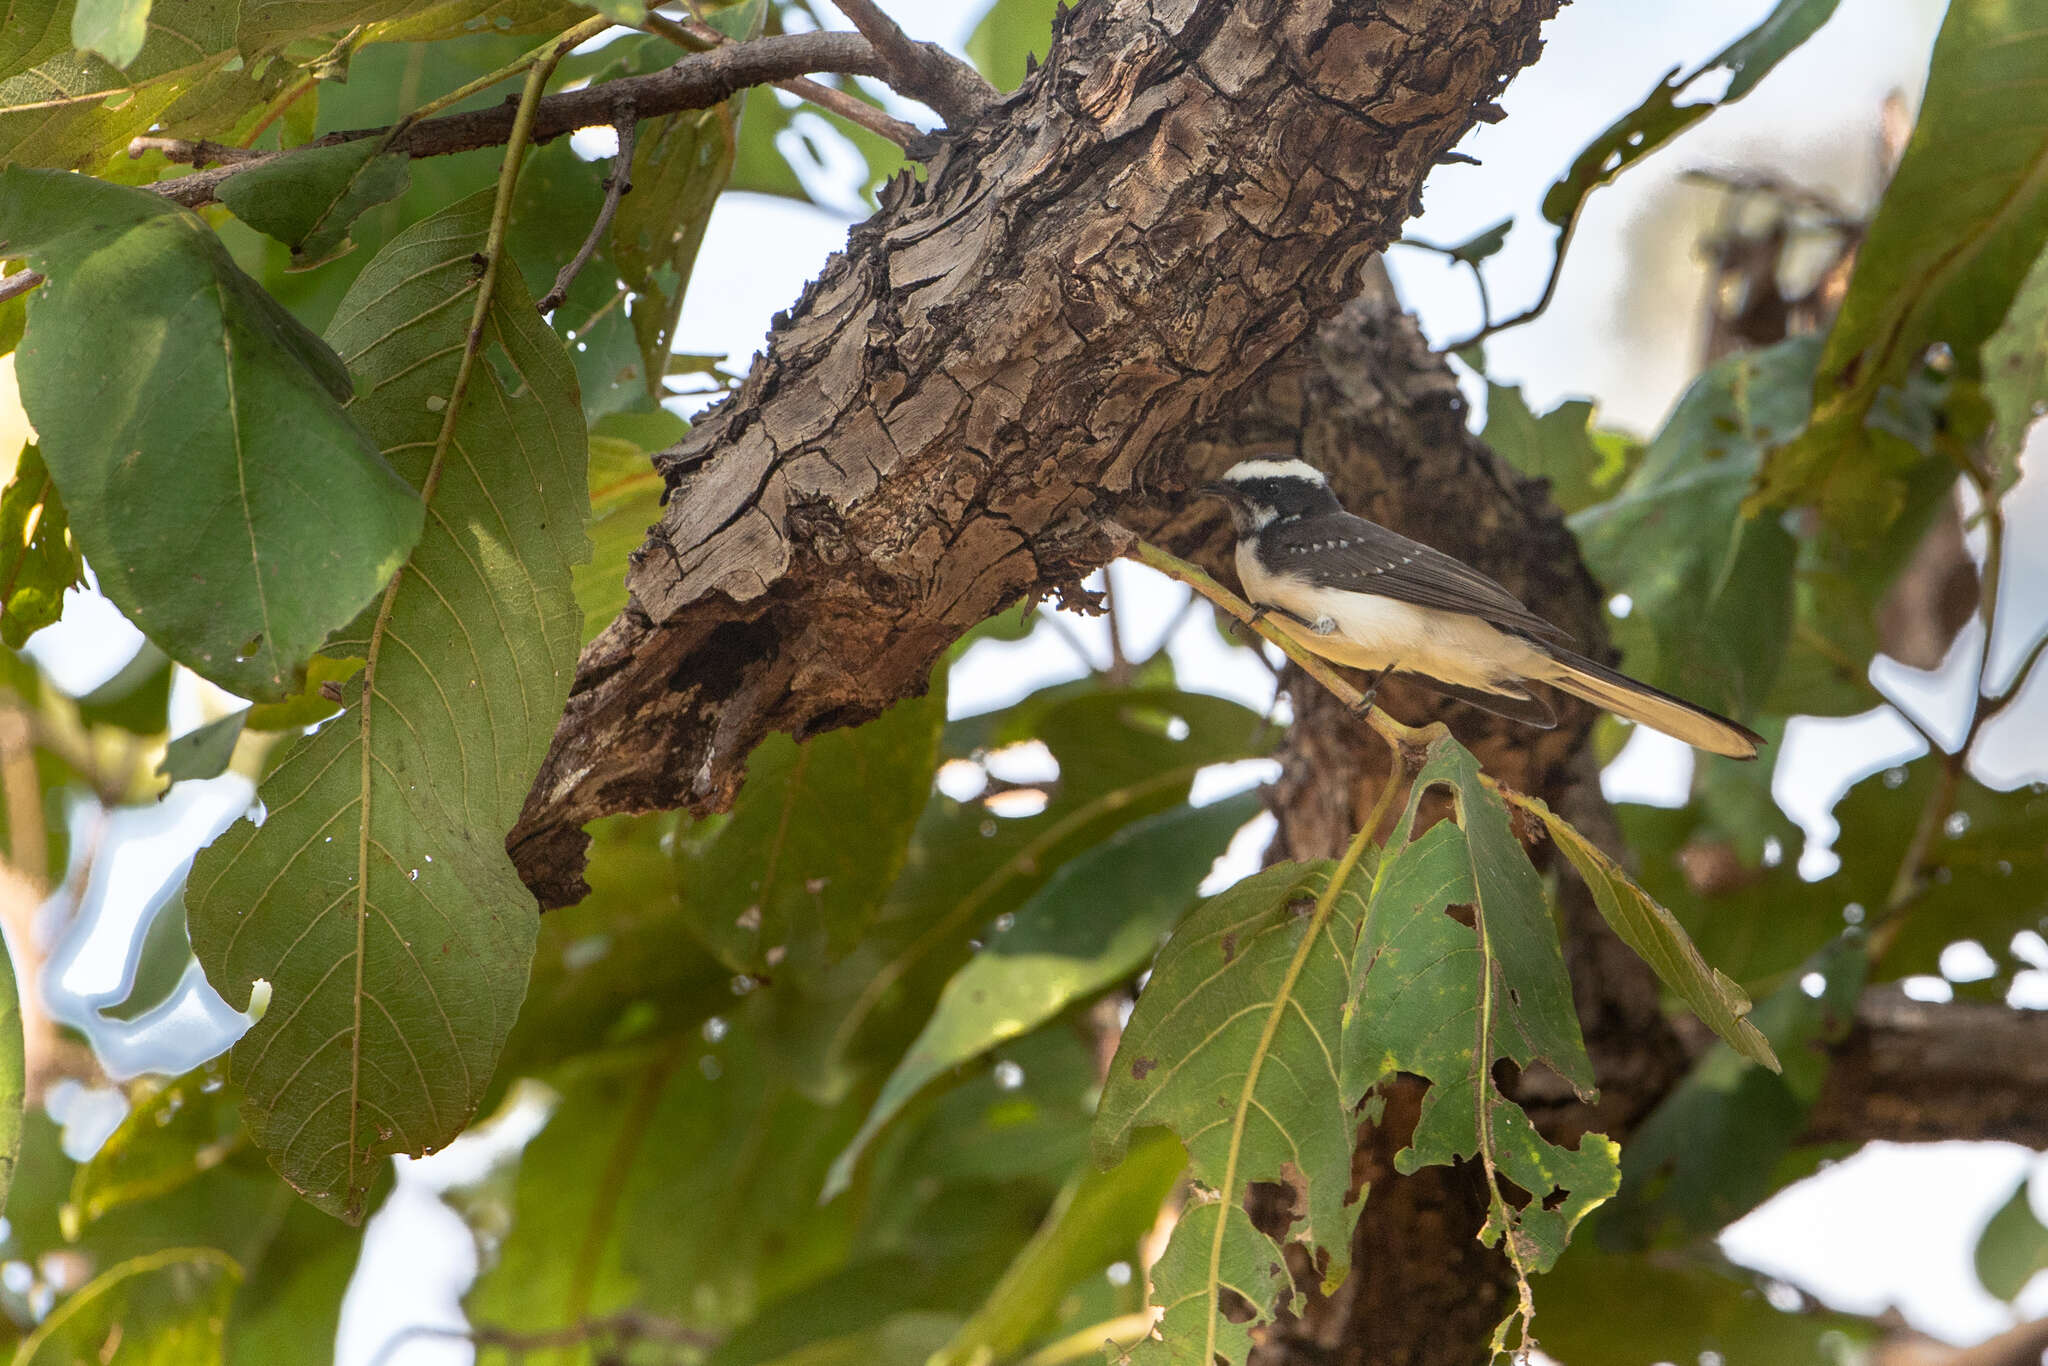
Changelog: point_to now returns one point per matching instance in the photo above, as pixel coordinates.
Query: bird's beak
(1217, 488)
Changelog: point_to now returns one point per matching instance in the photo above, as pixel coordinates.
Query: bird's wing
(1349, 553)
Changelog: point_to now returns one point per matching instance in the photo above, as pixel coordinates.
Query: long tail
(1652, 707)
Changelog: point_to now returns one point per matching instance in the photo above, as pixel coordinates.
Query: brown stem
(20, 283)
(615, 186)
(924, 71)
(696, 82)
(696, 37)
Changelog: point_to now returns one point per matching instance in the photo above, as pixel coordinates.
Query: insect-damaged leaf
(152, 363)
(308, 200)
(1233, 1046)
(377, 897)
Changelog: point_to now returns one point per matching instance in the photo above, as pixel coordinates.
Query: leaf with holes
(154, 367)
(377, 898)
(1233, 1046)
(1446, 1000)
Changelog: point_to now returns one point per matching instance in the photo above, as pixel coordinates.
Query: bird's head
(1261, 492)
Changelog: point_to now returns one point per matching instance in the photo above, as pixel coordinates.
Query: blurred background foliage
(813, 1081)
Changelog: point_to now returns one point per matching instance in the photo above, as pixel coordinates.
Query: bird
(1360, 595)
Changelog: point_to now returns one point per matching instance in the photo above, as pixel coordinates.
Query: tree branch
(695, 37)
(1013, 347)
(1913, 1071)
(615, 187)
(923, 71)
(695, 82)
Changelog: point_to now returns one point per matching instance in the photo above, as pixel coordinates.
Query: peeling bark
(1112, 259)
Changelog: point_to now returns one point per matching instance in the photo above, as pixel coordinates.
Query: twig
(924, 71)
(191, 153)
(615, 187)
(696, 37)
(696, 82)
(1119, 662)
(20, 283)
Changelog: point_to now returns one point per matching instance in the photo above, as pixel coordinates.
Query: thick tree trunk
(1016, 345)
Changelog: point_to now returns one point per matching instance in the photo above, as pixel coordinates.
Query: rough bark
(1111, 259)
(1912, 1071)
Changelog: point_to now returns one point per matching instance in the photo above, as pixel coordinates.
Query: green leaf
(153, 364)
(37, 559)
(1557, 446)
(115, 29)
(309, 201)
(625, 500)
(1099, 1218)
(1708, 1153)
(290, 1309)
(1008, 33)
(1660, 117)
(2013, 1247)
(1097, 921)
(137, 698)
(1659, 940)
(1445, 1001)
(31, 31)
(1711, 588)
(203, 751)
(165, 1309)
(172, 1134)
(788, 881)
(319, 700)
(377, 897)
(1233, 1046)
(1960, 224)
(2016, 373)
(680, 164)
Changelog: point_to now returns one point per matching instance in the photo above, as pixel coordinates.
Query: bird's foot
(1325, 625)
(1372, 689)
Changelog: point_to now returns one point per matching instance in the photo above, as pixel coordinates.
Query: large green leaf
(1581, 465)
(1711, 590)
(377, 898)
(1446, 1001)
(787, 881)
(37, 558)
(1960, 224)
(30, 31)
(1234, 1046)
(227, 502)
(1097, 921)
(167, 1308)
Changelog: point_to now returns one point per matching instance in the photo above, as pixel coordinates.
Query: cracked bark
(1114, 257)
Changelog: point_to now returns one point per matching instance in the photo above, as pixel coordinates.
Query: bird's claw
(1324, 625)
(1372, 690)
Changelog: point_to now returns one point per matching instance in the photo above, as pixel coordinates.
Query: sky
(1891, 1226)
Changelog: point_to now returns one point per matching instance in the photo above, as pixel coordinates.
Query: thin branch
(696, 37)
(1401, 739)
(697, 82)
(924, 71)
(199, 153)
(1119, 662)
(615, 187)
(20, 283)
